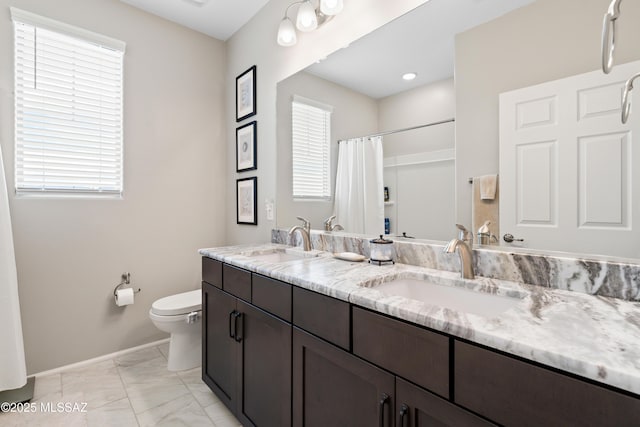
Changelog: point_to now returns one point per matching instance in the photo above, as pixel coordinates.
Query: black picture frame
(246, 147)
(246, 94)
(247, 201)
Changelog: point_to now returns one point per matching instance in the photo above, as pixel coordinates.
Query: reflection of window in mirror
(311, 153)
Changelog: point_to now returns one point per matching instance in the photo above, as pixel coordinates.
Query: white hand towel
(488, 187)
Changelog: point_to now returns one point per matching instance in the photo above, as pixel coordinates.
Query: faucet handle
(327, 223)
(306, 223)
(465, 235)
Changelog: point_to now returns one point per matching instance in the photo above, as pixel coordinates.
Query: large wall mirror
(363, 85)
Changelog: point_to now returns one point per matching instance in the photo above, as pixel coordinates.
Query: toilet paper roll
(124, 297)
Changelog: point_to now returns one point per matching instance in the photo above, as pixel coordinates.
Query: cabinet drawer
(513, 392)
(237, 282)
(406, 350)
(323, 316)
(212, 272)
(272, 296)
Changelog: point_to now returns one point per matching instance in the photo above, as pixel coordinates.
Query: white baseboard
(99, 358)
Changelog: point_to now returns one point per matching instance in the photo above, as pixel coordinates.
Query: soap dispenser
(484, 234)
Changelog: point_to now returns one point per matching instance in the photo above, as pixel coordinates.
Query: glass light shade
(306, 19)
(331, 7)
(287, 33)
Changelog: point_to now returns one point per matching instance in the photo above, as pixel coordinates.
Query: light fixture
(306, 19)
(409, 76)
(331, 7)
(287, 33)
(311, 15)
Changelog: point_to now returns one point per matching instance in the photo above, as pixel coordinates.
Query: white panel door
(566, 165)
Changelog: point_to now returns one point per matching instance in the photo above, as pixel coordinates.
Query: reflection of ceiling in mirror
(374, 65)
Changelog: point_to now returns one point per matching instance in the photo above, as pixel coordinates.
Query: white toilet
(180, 316)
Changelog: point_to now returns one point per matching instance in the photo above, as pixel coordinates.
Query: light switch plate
(268, 206)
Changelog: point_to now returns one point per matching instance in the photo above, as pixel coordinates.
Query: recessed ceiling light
(409, 76)
(198, 2)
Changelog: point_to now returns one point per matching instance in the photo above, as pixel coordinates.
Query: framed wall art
(247, 200)
(246, 147)
(246, 94)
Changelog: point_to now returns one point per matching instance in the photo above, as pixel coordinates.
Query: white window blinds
(311, 155)
(68, 108)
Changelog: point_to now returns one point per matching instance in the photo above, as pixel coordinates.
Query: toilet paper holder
(125, 279)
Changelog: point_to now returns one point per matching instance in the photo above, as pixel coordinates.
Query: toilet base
(185, 351)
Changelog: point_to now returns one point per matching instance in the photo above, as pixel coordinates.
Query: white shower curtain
(359, 198)
(13, 372)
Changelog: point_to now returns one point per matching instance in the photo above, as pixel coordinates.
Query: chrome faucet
(329, 227)
(305, 232)
(465, 253)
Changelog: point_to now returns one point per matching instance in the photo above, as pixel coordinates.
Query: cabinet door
(265, 372)
(219, 349)
(334, 388)
(416, 407)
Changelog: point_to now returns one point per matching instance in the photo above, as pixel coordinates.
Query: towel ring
(609, 35)
(626, 101)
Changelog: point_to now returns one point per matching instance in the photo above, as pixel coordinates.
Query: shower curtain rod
(405, 129)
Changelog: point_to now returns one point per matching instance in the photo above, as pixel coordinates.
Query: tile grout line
(162, 355)
(126, 392)
(157, 347)
(197, 401)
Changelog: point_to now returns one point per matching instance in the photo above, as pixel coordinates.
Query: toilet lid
(183, 303)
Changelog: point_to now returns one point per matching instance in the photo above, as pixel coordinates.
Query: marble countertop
(590, 336)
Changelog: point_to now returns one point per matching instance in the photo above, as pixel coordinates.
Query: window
(68, 108)
(311, 155)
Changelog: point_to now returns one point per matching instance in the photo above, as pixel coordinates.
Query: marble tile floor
(134, 389)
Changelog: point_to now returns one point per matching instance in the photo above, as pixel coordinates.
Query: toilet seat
(177, 304)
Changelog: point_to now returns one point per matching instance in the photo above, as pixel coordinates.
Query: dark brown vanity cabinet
(334, 388)
(280, 355)
(246, 353)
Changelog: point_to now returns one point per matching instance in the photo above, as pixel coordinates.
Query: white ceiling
(421, 41)
(217, 18)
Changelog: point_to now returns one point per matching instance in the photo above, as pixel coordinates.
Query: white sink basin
(279, 255)
(452, 297)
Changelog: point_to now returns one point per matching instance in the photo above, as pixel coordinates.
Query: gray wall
(544, 41)
(423, 195)
(354, 114)
(425, 104)
(70, 252)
